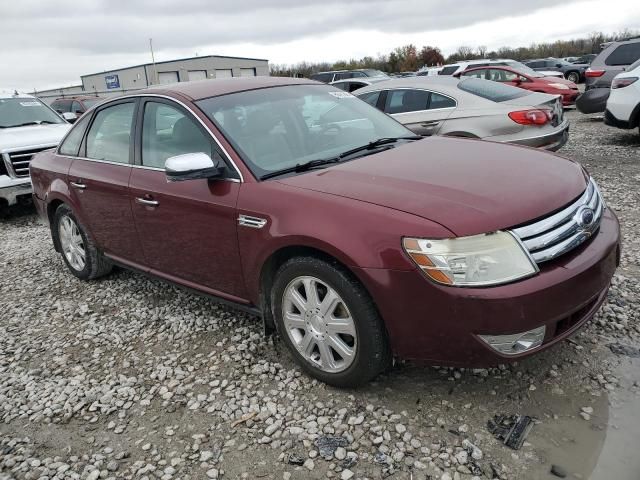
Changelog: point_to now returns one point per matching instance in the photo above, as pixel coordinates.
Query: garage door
(224, 73)
(247, 72)
(167, 77)
(197, 74)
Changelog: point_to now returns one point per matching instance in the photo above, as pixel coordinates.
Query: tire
(573, 77)
(353, 313)
(88, 266)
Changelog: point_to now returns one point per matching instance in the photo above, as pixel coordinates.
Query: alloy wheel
(72, 243)
(319, 324)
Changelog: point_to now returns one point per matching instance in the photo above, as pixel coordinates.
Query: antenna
(153, 61)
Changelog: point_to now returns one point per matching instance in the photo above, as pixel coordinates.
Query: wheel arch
(277, 258)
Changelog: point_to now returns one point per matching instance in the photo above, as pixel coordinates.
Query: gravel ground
(128, 377)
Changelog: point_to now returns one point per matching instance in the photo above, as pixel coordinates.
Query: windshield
(15, 112)
(280, 127)
(90, 102)
(522, 68)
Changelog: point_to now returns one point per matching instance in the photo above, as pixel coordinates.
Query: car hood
(469, 186)
(32, 136)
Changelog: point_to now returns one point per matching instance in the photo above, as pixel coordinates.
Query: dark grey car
(614, 59)
(571, 71)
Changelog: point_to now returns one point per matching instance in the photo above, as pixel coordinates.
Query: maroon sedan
(355, 239)
(534, 81)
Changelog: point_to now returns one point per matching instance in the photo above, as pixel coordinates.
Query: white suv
(623, 105)
(27, 126)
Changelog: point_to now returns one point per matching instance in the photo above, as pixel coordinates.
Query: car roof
(10, 94)
(199, 89)
(362, 80)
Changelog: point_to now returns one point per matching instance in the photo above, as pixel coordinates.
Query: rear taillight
(531, 117)
(593, 73)
(623, 82)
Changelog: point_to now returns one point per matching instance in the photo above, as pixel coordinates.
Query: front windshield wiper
(303, 167)
(377, 143)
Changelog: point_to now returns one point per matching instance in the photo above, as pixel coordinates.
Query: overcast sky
(46, 44)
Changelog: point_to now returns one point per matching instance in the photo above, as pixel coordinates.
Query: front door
(421, 111)
(99, 179)
(187, 229)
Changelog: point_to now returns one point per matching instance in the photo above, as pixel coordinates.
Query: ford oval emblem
(585, 217)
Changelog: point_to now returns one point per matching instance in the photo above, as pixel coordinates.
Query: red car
(355, 239)
(552, 85)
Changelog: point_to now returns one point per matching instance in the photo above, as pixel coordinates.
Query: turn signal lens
(480, 260)
(531, 117)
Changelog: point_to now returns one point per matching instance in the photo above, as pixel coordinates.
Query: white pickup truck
(27, 126)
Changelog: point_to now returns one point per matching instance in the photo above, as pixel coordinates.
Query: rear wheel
(329, 323)
(573, 77)
(79, 253)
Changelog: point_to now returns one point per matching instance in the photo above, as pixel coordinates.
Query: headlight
(559, 86)
(480, 260)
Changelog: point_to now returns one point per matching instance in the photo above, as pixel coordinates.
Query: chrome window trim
(182, 104)
(414, 88)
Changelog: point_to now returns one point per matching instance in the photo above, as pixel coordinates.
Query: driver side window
(167, 132)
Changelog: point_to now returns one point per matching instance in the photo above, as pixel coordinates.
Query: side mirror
(70, 116)
(192, 166)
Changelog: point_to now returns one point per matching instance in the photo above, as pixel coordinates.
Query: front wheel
(329, 322)
(573, 77)
(79, 253)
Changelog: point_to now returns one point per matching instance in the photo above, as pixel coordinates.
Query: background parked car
(460, 67)
(614, 59)
(535, 83)
(74, 105)
(27, 126)
(585, 59)
(429, 71)
(332, 76)
(571, 71)
(351, 85)
(471, 107)
(623, 105)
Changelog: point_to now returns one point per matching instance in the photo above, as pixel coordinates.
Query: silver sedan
(473, 108)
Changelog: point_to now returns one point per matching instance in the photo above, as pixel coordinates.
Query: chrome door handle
(149, 203)
(79, 185)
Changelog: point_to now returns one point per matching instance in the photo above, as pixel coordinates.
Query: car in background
(353, 84)
(459, 67)
(585, 59)
(571, 71)
(623, 104)
(27, 126)
(358, 241)
(472, 108)
(332, 76)
(614, 59)
(535, 83)
(75, 106)
(428, 71)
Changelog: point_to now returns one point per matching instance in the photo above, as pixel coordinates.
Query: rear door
(99, 180)
(187, 229)
(422, 111)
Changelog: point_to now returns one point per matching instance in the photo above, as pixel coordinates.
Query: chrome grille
(563, 231)
(19, 160)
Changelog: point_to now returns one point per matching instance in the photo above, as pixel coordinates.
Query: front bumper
(441, 325)
(552, 141)
(14, 189)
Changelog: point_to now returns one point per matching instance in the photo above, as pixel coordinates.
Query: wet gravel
(128, 377)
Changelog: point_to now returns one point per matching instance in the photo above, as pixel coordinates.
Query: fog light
(516, 343)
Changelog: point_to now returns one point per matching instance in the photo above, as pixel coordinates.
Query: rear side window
(71, 144)
(624, 55)
(371, 98)
(450, 70)
(342, 86)
(404, 101)
(494, 91)
(440, 101)
(109, 137)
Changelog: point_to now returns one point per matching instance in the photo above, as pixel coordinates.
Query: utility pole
(153, 61)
